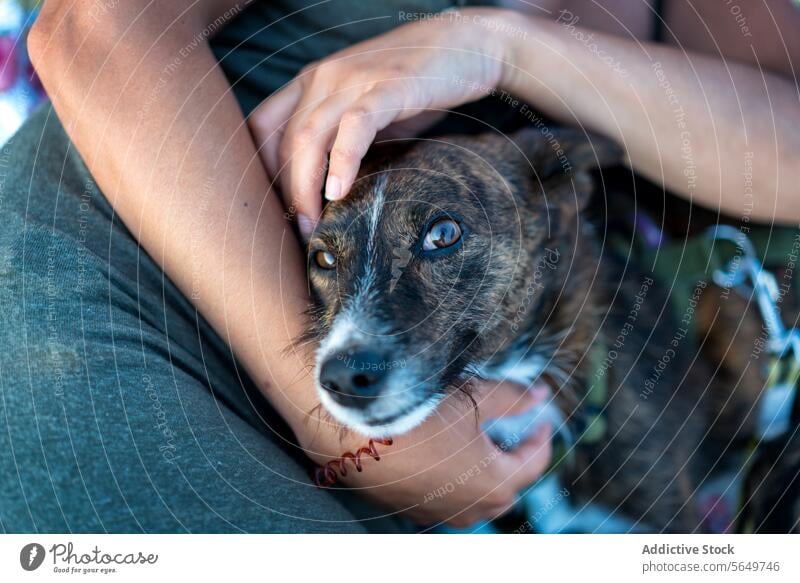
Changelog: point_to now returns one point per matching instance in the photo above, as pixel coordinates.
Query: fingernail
(333, 188)
(306, 225)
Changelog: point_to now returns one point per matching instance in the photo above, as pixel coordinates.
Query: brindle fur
(517, 198)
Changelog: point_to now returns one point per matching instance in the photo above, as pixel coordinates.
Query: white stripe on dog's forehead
(365, 284)
(375, 212)
(353, 323)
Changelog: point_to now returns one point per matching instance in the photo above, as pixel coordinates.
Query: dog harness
(730, 258)
(735, 259)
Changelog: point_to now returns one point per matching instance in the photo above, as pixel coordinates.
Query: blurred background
(20, 89)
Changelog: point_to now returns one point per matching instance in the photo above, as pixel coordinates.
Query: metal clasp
(777, 400)
(735, 274)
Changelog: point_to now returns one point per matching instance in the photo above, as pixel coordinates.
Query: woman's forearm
(153, 116)
(726, 135)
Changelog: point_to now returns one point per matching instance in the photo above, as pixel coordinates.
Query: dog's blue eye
(325, 259)
(443, 233)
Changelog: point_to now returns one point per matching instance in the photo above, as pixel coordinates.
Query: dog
(465, 256)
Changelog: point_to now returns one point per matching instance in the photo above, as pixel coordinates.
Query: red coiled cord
(326, 475)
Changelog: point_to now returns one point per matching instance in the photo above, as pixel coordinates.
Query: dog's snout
(353, 378)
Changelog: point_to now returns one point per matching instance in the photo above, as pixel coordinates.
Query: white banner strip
(397, 558)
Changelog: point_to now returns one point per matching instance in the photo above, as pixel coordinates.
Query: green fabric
(683, 264)
(596, 397)
(696, 259)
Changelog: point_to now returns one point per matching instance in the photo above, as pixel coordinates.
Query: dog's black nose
(353, 378)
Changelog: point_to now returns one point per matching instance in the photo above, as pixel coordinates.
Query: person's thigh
(120, 409)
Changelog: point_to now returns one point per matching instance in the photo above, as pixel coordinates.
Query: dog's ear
(561, 160)
(566, 151)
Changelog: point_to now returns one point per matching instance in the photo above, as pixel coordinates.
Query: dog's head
(428, 268)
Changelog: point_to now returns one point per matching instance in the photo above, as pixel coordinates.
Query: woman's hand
(323, 123)
(339, 104)
(447, 469)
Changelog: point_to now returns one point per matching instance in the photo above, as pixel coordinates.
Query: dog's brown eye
(442, 234)
(325, 259)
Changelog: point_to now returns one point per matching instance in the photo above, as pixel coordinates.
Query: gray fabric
(120, 409)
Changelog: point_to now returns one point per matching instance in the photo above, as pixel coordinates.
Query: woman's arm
(148, 108)
(145, 103)
(724, 134)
